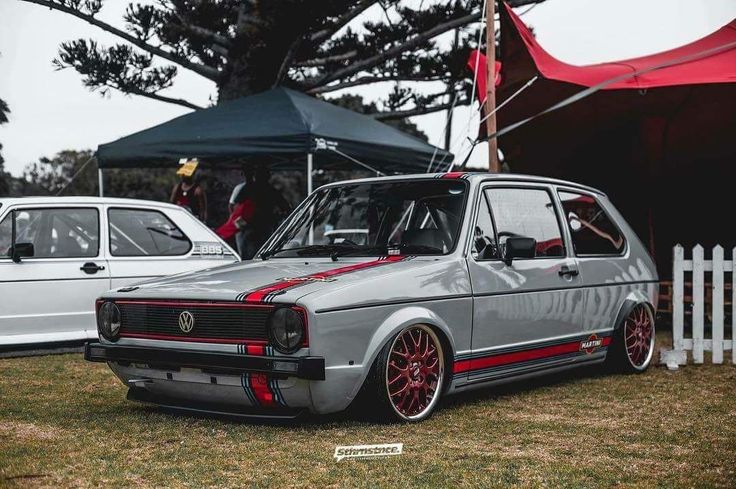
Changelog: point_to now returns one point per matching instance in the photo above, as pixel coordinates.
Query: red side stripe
(259, 385)
(260, 294)
(520, 356)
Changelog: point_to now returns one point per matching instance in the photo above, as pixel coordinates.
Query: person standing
(270, 207)
(188, 193)
(241, 207)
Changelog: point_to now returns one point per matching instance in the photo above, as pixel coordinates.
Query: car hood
(276, 280)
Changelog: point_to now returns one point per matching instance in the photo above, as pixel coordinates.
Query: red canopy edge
(718, 67)
(476, 57)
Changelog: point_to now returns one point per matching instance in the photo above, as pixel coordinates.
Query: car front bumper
(308, 368)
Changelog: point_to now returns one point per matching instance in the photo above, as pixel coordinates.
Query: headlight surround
(108, 320)
(286, 329)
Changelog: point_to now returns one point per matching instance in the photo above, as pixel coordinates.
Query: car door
(525, 311)
(601, 251)
(50, 295)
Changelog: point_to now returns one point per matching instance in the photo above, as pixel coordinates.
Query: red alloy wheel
(639, 336)
(415, 372)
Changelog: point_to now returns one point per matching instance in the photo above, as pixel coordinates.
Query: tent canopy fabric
(278, 127)
(711, 59)
(660, 144)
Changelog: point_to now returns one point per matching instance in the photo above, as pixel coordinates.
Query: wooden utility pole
(493, 166)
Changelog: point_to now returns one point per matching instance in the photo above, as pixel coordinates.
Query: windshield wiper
(311, 250)
(403, 249)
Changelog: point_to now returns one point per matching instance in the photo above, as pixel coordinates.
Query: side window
(484, 238)
(139, 232)
(528, 213)
(54, 233)
(5, 236)
(592, 231)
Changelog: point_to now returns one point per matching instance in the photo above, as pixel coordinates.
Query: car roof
(477, 177)
(82, 200)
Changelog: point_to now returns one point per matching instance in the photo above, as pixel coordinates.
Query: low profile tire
(633, 342)
(407, 377)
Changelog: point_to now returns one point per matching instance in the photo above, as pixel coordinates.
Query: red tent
(660, 138)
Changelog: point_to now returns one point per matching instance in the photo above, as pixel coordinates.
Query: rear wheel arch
(616, 356)
(628, 305)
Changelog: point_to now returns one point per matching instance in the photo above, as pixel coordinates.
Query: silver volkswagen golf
(393, 292)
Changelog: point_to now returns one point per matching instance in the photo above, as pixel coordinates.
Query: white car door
(49, 296)
(146, 243)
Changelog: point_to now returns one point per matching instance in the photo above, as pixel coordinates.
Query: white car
(57, 255)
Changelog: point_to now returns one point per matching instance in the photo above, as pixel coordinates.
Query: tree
(51, 176)
(248, 46)
(5, 177)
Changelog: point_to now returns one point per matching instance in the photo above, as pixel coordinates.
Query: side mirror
(21, 250)
(517, 247)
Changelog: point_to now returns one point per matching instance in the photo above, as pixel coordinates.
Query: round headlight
(286, 329)
(108, 321)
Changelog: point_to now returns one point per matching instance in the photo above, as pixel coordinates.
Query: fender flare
(633, 299)
(397, 321)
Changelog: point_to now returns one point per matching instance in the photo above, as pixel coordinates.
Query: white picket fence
(712, 274)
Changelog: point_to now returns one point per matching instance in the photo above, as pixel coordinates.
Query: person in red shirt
(242, 207)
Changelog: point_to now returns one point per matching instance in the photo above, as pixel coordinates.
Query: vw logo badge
(186, 321)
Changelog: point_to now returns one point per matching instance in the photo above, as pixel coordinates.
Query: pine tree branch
(401, 114)
(365, 80)
(162, 98)
(394, 51)
(324, 34)
(203, 70)
(312, 63)
(284, 68)
(204, 33)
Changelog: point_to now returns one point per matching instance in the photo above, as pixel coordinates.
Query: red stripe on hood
(260, 294)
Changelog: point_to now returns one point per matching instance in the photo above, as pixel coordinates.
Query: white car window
(528, 213)
(139, 232)
(5, 236)
(54, 232)
(484, 236)
(592, 231)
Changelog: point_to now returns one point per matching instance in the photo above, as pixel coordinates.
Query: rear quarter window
(145, 232)
(592, 230)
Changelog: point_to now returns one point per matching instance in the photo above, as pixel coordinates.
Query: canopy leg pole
(100, 182)
(310, 168)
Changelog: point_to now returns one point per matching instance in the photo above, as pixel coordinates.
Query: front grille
(212, 321)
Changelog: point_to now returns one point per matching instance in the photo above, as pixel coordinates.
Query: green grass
(64, 422)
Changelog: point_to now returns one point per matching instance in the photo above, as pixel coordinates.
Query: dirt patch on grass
(28, 431)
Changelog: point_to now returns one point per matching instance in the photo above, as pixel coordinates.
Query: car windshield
(416, 217)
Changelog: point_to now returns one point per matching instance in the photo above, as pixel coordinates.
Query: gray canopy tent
(278, 127)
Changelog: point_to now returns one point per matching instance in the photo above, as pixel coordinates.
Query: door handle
(90, 268)
(566, 271)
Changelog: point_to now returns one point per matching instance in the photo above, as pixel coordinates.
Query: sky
(51, 110)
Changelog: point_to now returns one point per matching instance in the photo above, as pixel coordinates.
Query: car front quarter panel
(350, 341)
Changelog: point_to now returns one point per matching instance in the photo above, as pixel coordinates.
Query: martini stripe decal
(269, 292)
(260, 387)
(488, 361)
